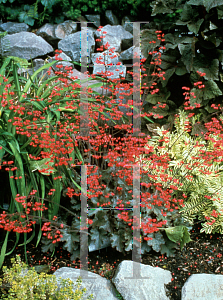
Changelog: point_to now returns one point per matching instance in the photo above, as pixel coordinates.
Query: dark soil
(202, 255)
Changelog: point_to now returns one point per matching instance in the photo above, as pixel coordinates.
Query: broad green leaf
(167, 62)
(116, 241)
(175, 234)
(180, 69)
(48, 3)
(24, 17)
(167, 76)
(188, 13)
(195, 2)
(208, 66)
(209, 4)
(185, 239)
(195, 27)
(160, 7)
(168, 248)
(211, 90)
(156, 242)
(155, 98)
(187, 55)
(41, 164)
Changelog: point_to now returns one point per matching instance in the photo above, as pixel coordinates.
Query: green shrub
(38, 286)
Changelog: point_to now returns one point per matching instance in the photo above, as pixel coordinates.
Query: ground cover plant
(34, 286)
(46, 146)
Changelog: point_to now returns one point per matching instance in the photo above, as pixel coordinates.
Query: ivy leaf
(195, 2)
(167, 61)
(148, 35)
(160, 7)
(71, 240)
(208, 66)
(155, 98)
(49, 246)
(48, 3)
(160, 112)
(209, 109)
(187, 55)
(211, 90)
(24, 17)
(195, 27)
(167, 75)
(128, 238)
(187, 14)
(180, 69)
(209, 4)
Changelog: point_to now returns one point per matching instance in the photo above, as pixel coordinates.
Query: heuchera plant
(48, 123)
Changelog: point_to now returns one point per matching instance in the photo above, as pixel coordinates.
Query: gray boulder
(25, 45)
(203, 287)
(70, 45)
(150, 286)
(14, 27)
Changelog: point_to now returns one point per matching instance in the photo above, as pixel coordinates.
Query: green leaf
(24, 17)
(167, 61)
(30, 80)
(208, 66)
(48, 3)
(167, 76)
(160, 7)
(156, 242)
(195, 27)
(187, 14)
(220, 12)
(187, 55)
(98, 237)
(155, 98)
(180, 69)
(41, 164)
(168, 248)
(175, 234)
(209, 4)
(178, 234)
(211, 90)
(195, 2)
(3, 249)
(185, 239)
(116, 241)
